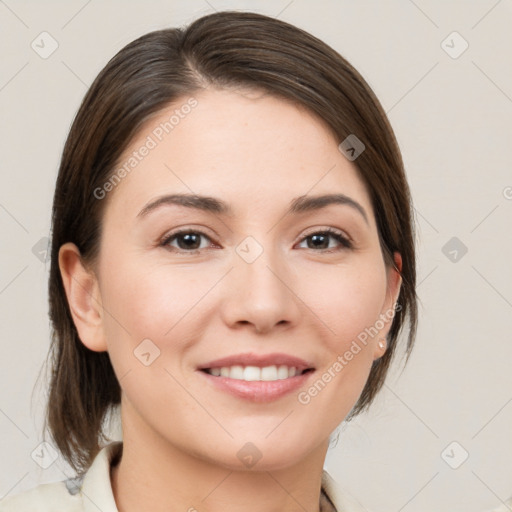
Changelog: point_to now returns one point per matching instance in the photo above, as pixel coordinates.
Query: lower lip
(258, 390)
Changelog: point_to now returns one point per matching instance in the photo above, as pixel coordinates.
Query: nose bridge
(259, 285)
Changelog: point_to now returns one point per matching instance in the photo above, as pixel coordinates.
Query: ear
(84, 299)
(394, 283)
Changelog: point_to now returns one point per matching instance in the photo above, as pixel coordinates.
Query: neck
(158, 476)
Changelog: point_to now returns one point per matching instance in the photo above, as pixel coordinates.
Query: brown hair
(223, 50)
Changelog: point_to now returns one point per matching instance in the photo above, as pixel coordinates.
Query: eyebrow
(210, 204)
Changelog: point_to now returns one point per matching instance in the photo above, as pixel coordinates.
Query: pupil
(315, 238)
(189, 239)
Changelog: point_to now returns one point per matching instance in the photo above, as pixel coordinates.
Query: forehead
(250, 148)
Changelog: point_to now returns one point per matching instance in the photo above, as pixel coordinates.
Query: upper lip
(249, 359)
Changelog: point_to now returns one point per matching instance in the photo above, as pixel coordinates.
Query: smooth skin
(309, 299)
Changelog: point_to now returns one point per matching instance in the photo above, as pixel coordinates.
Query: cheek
(349, 303)
(152, 302)
(147, 325)
(347, 300)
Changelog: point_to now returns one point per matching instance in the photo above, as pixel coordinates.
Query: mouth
(257, 378)
(255, 373)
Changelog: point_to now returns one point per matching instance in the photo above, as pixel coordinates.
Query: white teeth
(237, 372)
(255, 373)
(269, 373)
(282, 372)
(252, 373)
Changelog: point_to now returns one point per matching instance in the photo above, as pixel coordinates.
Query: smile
(257, 378)
(255, 373)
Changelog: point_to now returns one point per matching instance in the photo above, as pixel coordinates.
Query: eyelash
(345, 242)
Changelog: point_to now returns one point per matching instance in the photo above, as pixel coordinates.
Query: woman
(232, 263)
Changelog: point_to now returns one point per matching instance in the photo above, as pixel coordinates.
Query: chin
(282, 452)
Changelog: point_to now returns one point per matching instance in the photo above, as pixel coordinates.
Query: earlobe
(82, 292)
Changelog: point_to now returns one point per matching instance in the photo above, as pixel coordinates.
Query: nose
(260, 295)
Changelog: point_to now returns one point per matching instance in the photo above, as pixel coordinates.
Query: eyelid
(166, 238)
(190, 228)
(344, 240)
(327, 229)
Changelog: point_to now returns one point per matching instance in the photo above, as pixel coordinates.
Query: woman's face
(254, 290)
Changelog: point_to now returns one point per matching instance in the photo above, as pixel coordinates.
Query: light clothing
(94, 492)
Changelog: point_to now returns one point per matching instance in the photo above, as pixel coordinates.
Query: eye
(320, 240)
(190, 241)
(187, 240)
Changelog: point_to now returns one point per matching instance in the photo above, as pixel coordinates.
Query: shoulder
(90, 493)
(342, 501)
(48, 497)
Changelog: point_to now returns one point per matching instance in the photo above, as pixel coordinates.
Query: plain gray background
(451, 111)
